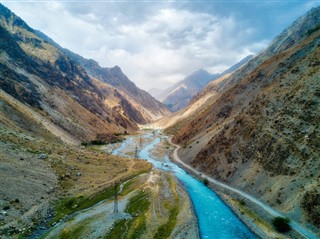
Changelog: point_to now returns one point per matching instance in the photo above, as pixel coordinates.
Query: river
(215, 218)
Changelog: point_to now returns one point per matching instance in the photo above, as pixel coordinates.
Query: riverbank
(215, 219)
(170, 212)
(146, 204)
(248, 209)
(36, 176)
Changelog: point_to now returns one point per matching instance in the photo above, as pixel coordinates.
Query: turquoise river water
(215, 218)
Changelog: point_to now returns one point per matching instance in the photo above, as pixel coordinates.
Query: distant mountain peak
(116, 68)
(200, 71)
(180, 94)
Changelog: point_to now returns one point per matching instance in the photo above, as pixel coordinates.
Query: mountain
(75, 94)
(199, 101)
(179, 95)
(150, 107)
(146, 104)
(49, 104)
(258, 127)
(237, 65)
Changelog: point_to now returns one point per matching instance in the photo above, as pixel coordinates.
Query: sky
(157, 43)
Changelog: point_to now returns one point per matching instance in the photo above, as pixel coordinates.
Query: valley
(86, 153)
(250, 129)
(151, 205)
(165, 183)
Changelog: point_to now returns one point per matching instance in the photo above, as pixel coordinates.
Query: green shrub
(93, 142)
(309, 32)
(205, 181)
(281, 224)
(242, 202)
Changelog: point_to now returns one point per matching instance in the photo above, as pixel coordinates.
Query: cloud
(156, 43)
(172, 43)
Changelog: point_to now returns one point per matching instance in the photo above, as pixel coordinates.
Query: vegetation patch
(93, 142)
(165, 230)
(73, 204)
(102, 141)
(281, 224)
(135, 227)
(129, 186)
(75, 232)
(119, 230)
(241, 205)
(205, 181)
(137, 207)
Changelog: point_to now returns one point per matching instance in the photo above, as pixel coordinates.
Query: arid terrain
(63, 119)
(40, 174)
(257, 129)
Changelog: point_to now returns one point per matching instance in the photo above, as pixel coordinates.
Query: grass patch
(165, 230)
(118, 231)
(71, 205)
(148, 129)
(138, 203)
(129, 186)
(75, 232)
(134, 228)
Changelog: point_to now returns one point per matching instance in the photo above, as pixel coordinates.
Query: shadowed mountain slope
(74, 93)
(49, 104)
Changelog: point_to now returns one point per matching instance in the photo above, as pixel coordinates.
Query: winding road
(298, 228)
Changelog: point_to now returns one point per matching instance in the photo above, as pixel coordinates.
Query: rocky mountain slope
(258, 128)
(49, 104)
(150, 108)
(199, 101)
(84, 101)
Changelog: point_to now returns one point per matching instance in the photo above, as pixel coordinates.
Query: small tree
(281, 224)
(205, 181)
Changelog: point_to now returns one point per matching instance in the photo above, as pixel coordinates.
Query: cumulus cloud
(156, 44)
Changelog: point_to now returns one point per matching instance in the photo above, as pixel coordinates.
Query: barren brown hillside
(261, 132)
(49, 104)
